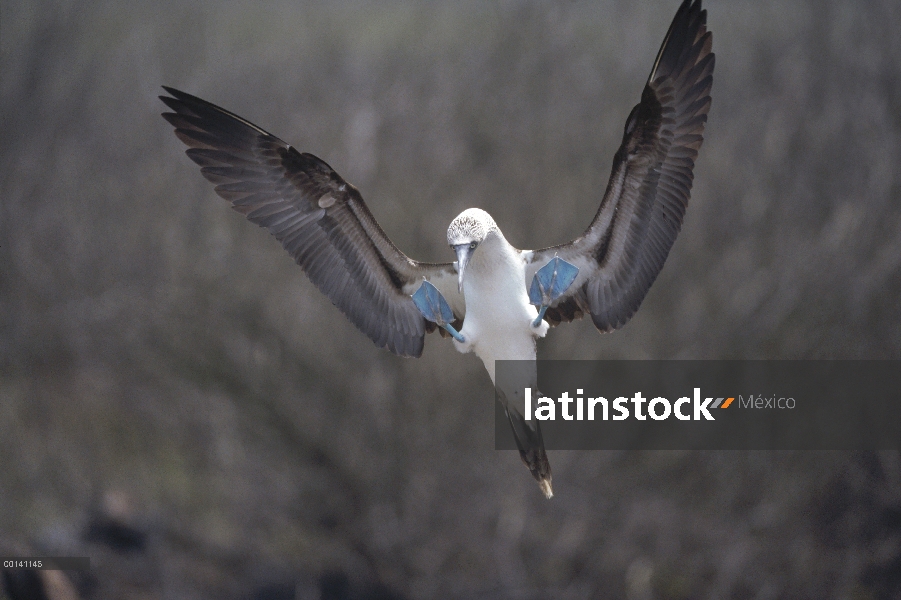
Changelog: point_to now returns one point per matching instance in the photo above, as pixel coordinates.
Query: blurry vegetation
(168, 375)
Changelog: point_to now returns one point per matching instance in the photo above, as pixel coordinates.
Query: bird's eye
(472, 246)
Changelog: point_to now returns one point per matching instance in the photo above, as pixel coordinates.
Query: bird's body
(499, 318)
(323, 222)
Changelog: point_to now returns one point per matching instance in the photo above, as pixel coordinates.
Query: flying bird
(504, 298)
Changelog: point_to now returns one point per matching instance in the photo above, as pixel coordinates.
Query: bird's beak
(464, 253)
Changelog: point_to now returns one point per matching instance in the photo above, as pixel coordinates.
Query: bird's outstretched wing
(624, 248)
(319, 218)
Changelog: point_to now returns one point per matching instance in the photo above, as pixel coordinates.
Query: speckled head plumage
(464, 235)
(471, 225)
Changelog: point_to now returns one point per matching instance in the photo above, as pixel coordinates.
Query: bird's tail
(531, 449)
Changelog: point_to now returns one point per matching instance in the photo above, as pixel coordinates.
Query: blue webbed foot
(550, 282)
(435, 308)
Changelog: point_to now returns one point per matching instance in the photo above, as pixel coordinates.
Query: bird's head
(464, 235)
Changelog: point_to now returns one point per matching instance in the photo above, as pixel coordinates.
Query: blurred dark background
(179, 403)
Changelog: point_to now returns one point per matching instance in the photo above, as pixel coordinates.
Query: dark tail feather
(531, 450)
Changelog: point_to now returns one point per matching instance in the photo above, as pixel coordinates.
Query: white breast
(498, 314)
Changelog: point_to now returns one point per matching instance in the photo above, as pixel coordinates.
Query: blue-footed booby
(323, 222)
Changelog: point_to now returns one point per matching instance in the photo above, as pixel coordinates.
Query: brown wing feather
(319, 218)
(624, 248)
